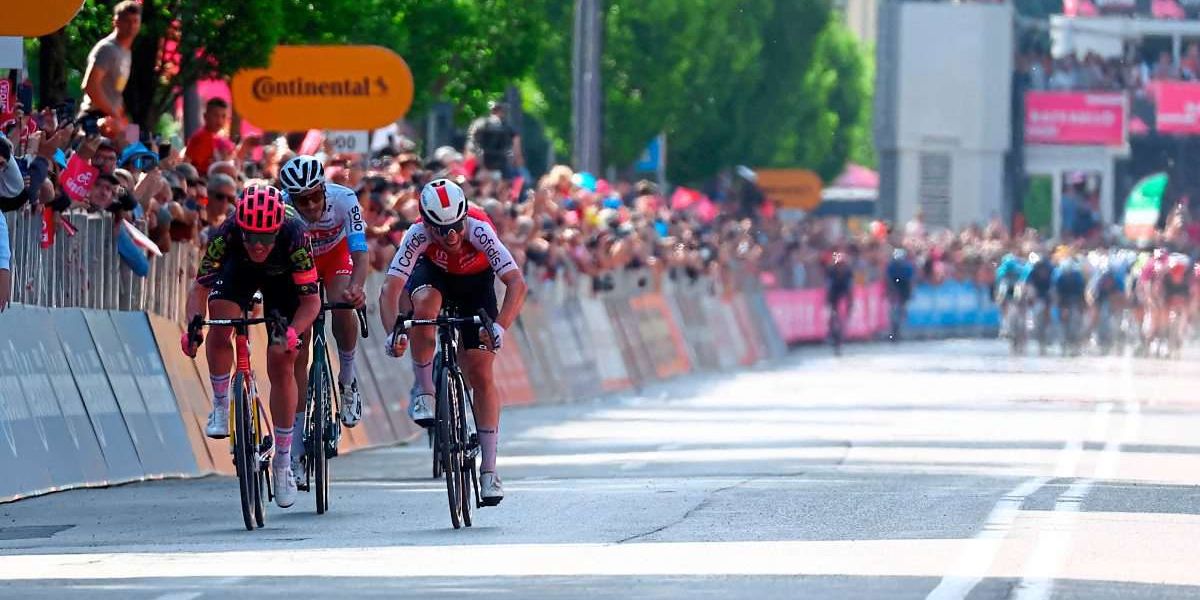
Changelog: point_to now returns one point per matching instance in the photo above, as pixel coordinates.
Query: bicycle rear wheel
(243, 454)
(446, 444)
(318, 387)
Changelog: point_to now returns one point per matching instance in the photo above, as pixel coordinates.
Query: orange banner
(33, 19)
(325, 87)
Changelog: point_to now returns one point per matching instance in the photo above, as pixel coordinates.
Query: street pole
(585, 80)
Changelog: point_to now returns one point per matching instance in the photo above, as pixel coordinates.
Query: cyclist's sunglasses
(445, 230)
(259, 239)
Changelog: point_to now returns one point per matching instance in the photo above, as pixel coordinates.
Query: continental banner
(325, 87)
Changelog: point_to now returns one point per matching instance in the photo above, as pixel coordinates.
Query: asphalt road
(927, 470)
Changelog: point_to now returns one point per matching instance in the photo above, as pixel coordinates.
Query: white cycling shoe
(285, 484)
(491, 490)
(351, 404)
(420, 410)
(218, 422)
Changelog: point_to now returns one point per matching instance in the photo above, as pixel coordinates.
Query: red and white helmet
(443, 202)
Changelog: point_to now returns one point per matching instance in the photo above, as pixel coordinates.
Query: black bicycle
(322, 430)
(250, 444)
(453, 449)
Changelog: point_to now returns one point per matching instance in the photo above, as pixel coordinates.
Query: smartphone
(64, 113)
(90, 125)
(164, 150)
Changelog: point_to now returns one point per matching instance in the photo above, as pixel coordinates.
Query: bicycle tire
(319, 459)
(466, 465)
(262, 468)
(445, 443)
(241, 456)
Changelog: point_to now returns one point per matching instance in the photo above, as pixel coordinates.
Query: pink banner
(1075, 118)
(1178, 106)
(802, 315)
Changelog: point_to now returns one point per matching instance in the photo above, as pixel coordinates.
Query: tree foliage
(181, 42)
(758, 82)
(464, 52)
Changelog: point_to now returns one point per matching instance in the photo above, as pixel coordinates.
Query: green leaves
(758, 82)
(464, 52)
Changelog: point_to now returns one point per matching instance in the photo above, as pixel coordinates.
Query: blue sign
(651, 159)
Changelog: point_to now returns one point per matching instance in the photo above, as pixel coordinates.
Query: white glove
(396, 344)
(497, 335)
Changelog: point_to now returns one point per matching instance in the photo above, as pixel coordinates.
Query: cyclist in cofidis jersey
(453, 255)
(264, 248)
(339, 240)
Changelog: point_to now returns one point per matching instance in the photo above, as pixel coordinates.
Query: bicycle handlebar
(275, 322)
(481, 318)
(405, 324)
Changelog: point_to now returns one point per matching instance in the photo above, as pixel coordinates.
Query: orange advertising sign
(791, 188)
(33, 19)
(325, 87)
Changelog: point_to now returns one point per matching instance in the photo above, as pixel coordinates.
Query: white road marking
(973, 564)
(180, 596)
(1054, 539)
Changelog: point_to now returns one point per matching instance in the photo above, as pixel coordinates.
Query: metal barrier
(84, 271)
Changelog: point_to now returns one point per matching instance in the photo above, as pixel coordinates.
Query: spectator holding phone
(210, 145)
(108, 67)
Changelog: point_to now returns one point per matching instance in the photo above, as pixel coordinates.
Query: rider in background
(1106, 290)
(1069, 288)
(839, 283)
(1176, 289)
(338, 234)
(1036, 282)
(1008, 275)
(900, 274)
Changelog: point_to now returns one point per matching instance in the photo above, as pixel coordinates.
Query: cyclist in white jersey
(338, 234)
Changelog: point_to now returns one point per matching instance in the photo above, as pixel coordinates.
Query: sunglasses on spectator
(225, 197)
(259, 239)
(445, 230)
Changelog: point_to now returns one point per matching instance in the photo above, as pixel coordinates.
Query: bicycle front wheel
(466, 463)
(243, 451)
(448, 448)
(318, 382)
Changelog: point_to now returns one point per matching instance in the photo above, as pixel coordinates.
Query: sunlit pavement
(939, 469)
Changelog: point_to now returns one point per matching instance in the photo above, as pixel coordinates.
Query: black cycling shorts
(1176, 290)
(466, 293)
(279, 293)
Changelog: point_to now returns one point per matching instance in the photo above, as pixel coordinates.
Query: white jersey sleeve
(416, 241)
(484, 238)
(346, 209)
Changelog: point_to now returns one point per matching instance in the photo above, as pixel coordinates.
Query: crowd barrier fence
(94, 391)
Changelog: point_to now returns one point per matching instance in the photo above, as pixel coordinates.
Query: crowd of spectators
(1092, 72)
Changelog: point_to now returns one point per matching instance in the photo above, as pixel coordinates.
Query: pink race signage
(1075, 118)
(1177, 106)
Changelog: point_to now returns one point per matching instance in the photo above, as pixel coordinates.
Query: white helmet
(301, 174)
(443, 202)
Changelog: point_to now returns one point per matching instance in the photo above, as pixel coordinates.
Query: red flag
(47, 227)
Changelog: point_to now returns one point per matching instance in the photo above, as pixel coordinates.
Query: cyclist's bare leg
(345, 329)
(218, 346)
(478, 365)
(301, 373)
(281, 370)
(427, 303)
